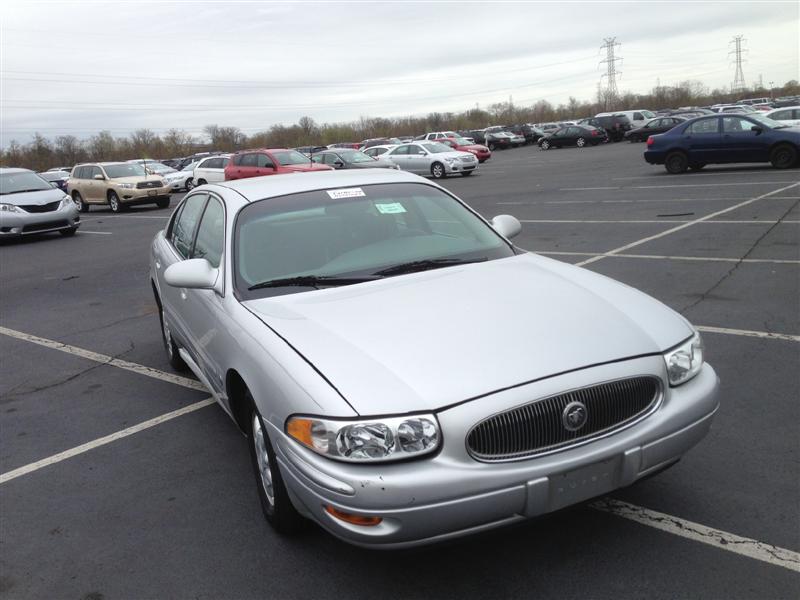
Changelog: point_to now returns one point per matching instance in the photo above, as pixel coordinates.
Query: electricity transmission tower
(738, 78)
(611, 73)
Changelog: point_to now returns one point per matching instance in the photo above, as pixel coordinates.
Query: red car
(269, 161)
(482, 153)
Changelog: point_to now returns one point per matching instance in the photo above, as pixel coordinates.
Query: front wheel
(676, 163)
(68, 232)
(162, 203)
(80, 202)
(545, 145)
(466, 173)
(275, 502)
(189, 184)
(114, 202)
(492, 146)
(437, 170)
(581, 142)
(783, 156)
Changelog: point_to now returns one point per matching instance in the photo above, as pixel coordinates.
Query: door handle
(158, 264)
(183, 294)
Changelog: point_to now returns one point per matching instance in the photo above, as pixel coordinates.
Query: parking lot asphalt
(170, 510)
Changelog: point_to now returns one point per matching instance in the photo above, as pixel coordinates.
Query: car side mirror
(757, 129)
(194, 273)
(99, 177)
(507, 226)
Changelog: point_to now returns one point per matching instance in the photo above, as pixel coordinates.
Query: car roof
(6, 170)
(258, 188)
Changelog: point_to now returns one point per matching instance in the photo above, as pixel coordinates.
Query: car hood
(373, 164)
(33, 198)
(453, 154)
(135, 179)
(428, 340)
(307, 167)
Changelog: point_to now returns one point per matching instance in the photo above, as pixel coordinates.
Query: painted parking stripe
(96, 232)
(587, 189)
(777, 261)
(685, 225)
(749, 333)
(769, 172)
(105, 359)
(56, 458)
(685, 185)
(729, 542)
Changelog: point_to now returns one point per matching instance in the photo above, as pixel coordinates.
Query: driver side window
(182, 232)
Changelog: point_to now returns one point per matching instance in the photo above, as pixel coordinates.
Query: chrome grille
(538, 427)
(148, 184)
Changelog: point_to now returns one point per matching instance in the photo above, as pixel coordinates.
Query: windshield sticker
(392, 208)
(346, 193)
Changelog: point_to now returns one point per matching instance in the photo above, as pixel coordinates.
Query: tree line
(43, 153)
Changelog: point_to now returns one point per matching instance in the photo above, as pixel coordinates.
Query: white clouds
(164, 65)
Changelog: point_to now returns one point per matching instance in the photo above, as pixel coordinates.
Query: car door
(740, 143)
(215, 171)
(180, 242)
(201, 309)
(702, 140)
(399, 156)
(264, 165)
(96, 188)
(418, 159)
(333, 160)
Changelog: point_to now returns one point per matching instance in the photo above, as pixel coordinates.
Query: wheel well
(236, 389)
(75, 194)
(784, 143)
(109, 192)
(675, 151)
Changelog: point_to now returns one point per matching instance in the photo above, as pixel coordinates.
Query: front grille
(148, 184)
(44, 226)
(40, 208)
(538, 427)
(467, 159)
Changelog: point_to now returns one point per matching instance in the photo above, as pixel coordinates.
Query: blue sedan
(730, 138)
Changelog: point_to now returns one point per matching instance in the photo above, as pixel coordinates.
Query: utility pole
(738, 78)
(611, 69)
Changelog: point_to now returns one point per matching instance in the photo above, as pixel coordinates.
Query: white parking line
(685, 225)
(778, 261)
(641, 221)
(636, 200)
(105, 359)
(685, 185)
(587, 189)
(749, 333)
(769, 172)
(96, 232)
(134, 217)
(56, 458)
(774, 555)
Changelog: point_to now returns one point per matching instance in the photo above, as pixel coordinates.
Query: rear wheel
(545, 145)
(80, 202)
(201, 182)
(676, 162)
(189, 184)
(783, 156)
(437, 170)
(162, 203)
(175, 360)
(492, 146)
(275, 502)
(581, 142)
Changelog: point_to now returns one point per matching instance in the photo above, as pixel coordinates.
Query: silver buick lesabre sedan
(403, 372)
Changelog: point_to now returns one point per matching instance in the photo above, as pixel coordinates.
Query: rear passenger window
(182, 234)
(262, 161)
(211, 233)
(638, 116)
(704, 126)
(248, 160)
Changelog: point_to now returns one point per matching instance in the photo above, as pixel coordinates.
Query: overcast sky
(80, 67)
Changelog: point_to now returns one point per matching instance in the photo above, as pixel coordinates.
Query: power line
(611, 68)
(738, 79)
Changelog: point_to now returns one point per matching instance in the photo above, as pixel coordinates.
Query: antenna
(611, 68)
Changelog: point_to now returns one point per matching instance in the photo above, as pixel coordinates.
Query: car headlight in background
(367, 440)
(9, 208)
(685, 361)
(66, 201)
(126, 186)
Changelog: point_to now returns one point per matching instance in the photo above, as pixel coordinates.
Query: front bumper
(451, 495)
(17, 224)
(142, 196)
(460, 167)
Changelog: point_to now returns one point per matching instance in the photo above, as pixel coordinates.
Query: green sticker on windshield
(391, 208)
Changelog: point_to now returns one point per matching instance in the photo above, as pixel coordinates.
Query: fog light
(353, 519)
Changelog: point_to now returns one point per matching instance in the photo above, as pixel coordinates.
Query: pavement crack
(738, 263)
(106, 325)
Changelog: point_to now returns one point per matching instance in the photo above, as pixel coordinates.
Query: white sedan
(432, 158)
(788, 115)
(181, 180)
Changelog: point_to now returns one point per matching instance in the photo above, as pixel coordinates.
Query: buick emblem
(574, 416)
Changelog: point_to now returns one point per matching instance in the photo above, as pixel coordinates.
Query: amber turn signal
(300, 429)
(353, 519)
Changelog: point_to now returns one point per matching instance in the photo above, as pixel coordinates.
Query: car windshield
(54, 175)
(356, 157)
(355, 232)
(124, 170)
(648, 114)
(24, 181)
(771, 123)
(291, 157)
(436, 147)
(190, 166)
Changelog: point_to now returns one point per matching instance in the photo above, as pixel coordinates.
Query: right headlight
(684, 361)
(367, 440)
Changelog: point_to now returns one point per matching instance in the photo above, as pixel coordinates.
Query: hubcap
(262, 458)
(437, 171)
(114, 205)
(581, 143)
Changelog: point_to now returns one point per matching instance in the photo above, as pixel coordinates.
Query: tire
(189, 184)
(545, 145)
(697, 166)
(114, 202)
(68, 232)
(79, 202)
(437, 170)
(175, 360)
(466, 173)
(162, 202)
(580, 142)
(201, 182)
(676, 163)
(783, 156)
(275, 503)
(492, 146)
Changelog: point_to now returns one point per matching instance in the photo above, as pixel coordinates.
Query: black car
(476, 134)
(657, 125)
(346, 158)
(58, 177)
(615, 126)
(529, 132)
(574, 135)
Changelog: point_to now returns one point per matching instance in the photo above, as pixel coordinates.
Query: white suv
(211, 169)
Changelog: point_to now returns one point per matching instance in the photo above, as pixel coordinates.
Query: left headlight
(367, 440)
(9, 208)
(66, 202)
(685, 361)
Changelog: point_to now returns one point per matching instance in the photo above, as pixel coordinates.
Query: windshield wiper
(310, 281)
(425, 265)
